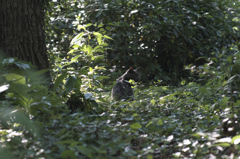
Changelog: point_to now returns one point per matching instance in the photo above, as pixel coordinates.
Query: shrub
(163, 36)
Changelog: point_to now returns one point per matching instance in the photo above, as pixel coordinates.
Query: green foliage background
(90, 43)
(163, 36)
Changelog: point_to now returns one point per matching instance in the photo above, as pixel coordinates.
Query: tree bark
(22, 33)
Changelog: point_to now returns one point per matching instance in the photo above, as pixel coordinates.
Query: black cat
(122, 89)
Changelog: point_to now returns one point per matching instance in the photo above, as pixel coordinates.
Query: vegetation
(197, 116)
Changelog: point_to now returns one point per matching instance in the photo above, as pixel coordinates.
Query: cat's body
(122, 88)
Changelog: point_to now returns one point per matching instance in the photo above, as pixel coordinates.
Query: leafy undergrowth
(77, 119)
(162, 122)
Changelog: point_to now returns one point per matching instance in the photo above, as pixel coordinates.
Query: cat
(122, 88)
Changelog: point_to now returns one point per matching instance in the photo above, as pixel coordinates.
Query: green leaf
(70, 142)
(89, 24)
(183, 82)
(224, 144)
(149, 123)
(74, 46)
(70, 83)
(153, 101)
(135, 125)
(99, 37)
(225, 100)
(74, 59)
(135, 114)
(149, 157)
(38, 73)
(81, 27)
(83, 72)
(77, 38)
(59, 80)
(236, 140)
(85, 151)
(203, 90)
(78, 84)
(89, 50)
(160, 122)
(100, 25)
(97, 34)
(230, 58)
(102, 77)
(15, 78)
(98, 58)
(90, 71)
(68, 154)
(107, 37)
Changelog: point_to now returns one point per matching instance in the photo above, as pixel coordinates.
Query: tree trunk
(22, 31)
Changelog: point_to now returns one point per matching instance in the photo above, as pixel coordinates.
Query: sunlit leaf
(74, 59)
(149, 123)
(97, 58)
(99, 37)
(160, 122)
(236, 140)
(183, 82)
(4, 87)
(77, 39)
(89, 50)
(107, 37)
(88, 95)
(88, 25)
(135, 125)
(149, 157)
(223, 144)
(11, 77)
(133, 12)
(81, 27)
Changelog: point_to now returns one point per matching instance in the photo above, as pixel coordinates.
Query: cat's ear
(131, 68)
